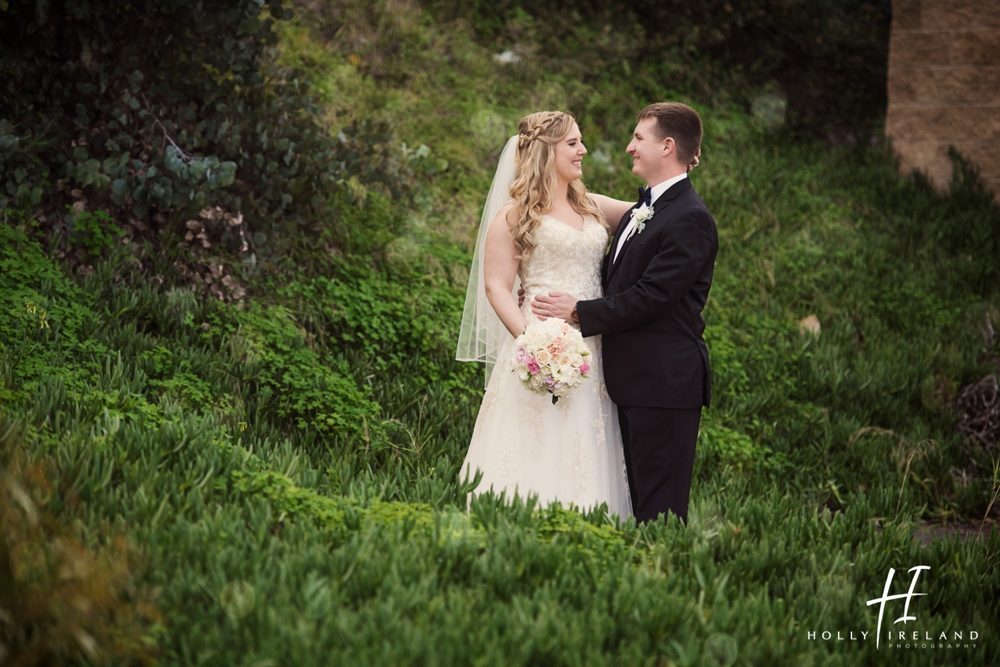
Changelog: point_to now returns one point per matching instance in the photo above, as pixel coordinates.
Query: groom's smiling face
(646, 149)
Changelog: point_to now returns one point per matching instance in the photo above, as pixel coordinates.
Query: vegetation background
(234, 243)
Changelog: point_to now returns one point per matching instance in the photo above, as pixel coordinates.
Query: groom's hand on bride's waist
(555, 304)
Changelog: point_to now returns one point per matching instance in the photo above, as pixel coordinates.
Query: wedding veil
(482, 332)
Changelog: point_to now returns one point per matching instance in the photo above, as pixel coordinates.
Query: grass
(276, 482)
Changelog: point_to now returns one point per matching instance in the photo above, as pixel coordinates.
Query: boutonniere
(640, 216)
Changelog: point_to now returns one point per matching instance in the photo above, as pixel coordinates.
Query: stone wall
(944, 86)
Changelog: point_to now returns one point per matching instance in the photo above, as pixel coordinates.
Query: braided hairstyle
(535, 176)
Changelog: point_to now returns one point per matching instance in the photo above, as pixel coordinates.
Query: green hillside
(232, 425)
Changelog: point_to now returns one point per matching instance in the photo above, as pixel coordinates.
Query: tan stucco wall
(944, 86)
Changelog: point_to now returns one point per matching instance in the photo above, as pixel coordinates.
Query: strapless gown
(570, 452)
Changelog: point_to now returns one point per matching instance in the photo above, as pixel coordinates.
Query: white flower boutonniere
(640, 216)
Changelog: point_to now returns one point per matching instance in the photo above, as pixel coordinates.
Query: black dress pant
(659, 458)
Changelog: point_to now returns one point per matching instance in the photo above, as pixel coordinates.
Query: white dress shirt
(654, 193)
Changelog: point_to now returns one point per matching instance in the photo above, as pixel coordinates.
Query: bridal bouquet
(550, 356)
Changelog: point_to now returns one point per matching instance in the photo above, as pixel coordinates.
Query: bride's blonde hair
(535, 177)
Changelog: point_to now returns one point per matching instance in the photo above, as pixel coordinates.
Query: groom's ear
(669, 145)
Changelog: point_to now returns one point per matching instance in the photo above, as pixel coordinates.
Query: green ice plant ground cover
(286, 471)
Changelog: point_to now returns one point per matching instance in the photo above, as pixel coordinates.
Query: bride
(542, 232)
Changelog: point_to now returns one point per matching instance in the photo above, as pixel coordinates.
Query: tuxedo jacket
(650, 316)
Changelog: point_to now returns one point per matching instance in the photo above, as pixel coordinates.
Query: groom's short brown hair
(679, 121)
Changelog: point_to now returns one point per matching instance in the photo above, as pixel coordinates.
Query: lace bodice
(564, 260)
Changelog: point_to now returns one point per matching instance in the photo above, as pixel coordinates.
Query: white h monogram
(909, 595)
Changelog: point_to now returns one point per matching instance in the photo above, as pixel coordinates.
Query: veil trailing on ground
(482, 332)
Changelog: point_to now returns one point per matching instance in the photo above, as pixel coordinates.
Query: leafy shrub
(93, 231)
(44, 316)
(25, 176)
(719, 445)
(385, 322)
(307, 389)
(154, 113)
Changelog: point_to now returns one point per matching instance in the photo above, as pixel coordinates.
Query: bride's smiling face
(568, 158)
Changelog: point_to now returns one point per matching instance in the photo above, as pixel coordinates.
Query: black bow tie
(645, 197)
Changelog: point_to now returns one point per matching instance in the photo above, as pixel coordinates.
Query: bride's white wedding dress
(569, 452)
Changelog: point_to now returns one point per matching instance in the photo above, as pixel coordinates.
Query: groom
(656, 278)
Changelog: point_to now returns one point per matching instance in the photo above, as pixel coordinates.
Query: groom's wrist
(574, 317)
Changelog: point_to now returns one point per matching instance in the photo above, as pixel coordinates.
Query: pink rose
(584, 368)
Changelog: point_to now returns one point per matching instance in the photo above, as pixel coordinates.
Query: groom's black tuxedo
(655, 359)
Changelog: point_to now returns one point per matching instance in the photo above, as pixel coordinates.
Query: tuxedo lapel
(609, 256)
(621, 255)
(661, 203)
